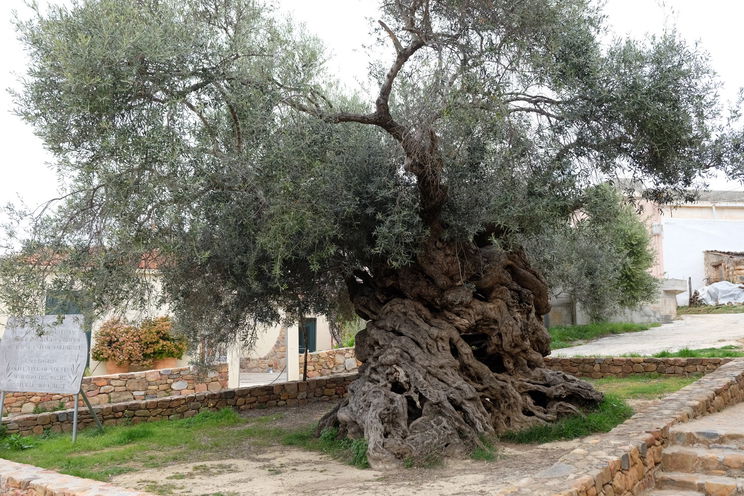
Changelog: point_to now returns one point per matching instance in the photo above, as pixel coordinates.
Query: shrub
(158, 341)
(122, 342)
(119, 342)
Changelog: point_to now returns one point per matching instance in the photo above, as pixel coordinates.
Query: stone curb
(18, 479)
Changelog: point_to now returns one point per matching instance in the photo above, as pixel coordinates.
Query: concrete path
(691, 331)
(258, 379)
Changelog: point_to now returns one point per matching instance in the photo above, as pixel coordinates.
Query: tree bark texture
(453, 351)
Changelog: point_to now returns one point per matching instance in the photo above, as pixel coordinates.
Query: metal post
(689, 291)
(90, 409)
(75, 418)
(2, 404)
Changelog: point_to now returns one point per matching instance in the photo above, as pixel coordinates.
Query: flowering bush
(158, 342)
(121, 342)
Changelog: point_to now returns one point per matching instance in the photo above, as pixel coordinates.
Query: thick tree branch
(234, 115)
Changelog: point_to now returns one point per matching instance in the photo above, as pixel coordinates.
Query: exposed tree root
(453, 351)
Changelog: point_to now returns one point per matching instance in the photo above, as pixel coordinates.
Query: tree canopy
(207, 137)
(202, 131)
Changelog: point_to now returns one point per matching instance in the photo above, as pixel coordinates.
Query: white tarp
(721, 293)
(685, 242)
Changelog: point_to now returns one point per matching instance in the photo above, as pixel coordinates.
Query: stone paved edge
(625, 461)
(18, 479)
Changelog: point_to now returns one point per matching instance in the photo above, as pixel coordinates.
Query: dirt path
(250, 468)
(691, 331)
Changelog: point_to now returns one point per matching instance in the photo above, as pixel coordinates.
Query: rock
(179, 385)
(120, 396)
(350, 364)
(137, 384)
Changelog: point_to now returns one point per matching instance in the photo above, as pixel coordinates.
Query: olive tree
(206, 137)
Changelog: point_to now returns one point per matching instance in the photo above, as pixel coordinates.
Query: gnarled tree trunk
(453, 351)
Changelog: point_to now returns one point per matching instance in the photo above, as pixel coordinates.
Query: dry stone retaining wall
(176, 407)
(331, 362)
(343, 360)
(117, 388)
(625, 366)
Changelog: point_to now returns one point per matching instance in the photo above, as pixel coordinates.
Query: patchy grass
(487, 452)
(642, 386)
(205, 437)
(566, 336)
(612, 411)
(722, 352)
(710, 309)
(354, 451)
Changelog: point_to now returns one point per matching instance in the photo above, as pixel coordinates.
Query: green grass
(487, 452)
(722, 352)
(204, 437)
(710, 309)
(566, 336)
(612, 411)
(642, 386)
(353, 451)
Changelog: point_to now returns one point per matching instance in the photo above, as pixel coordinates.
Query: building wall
(270, 350)
(681, 233)
(686, 240)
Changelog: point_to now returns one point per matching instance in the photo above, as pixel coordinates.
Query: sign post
(50, 361)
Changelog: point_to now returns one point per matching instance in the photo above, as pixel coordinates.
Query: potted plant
(160, 346)
(117, 344)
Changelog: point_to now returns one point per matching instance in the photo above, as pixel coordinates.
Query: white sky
(345, 25)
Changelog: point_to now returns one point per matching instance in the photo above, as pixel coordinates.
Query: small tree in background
(601, 256)
(210, 133)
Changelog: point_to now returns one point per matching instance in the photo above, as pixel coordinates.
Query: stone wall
(116, 388)
(274, 360)
(175, 407)
(342, 360)
(330, 362)
(625, 366)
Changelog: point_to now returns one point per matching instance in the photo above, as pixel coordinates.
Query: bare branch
(393, 37)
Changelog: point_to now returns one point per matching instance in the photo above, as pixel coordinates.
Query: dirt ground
(250, 468)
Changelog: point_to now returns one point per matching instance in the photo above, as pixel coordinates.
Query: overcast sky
(344, 25)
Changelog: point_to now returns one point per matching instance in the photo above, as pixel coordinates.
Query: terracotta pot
(165, 363)
(116, 368)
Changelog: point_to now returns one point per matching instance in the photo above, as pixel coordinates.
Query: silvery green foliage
(204, 136)
(601, 256)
